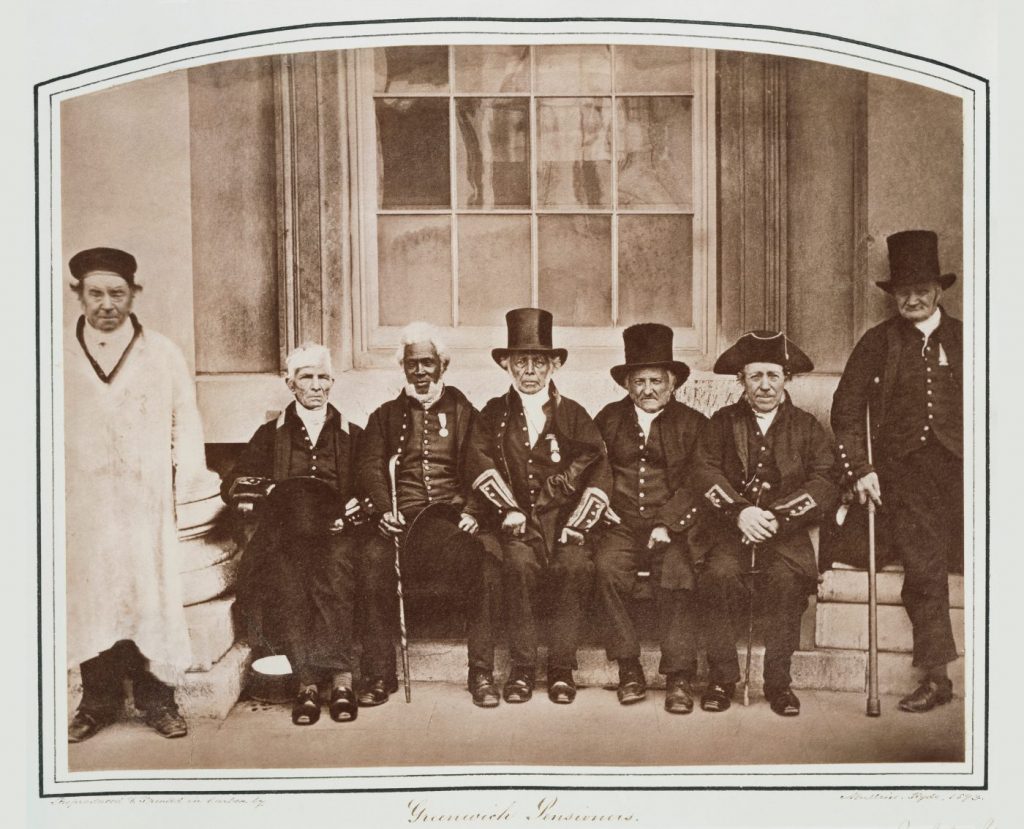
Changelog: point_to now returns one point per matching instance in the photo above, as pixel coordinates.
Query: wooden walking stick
(403, 638)
(765, 486)
(874, 706)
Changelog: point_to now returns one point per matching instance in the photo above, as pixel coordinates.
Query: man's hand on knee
(514, 523)
(390, 525)
(757, 524)
(468, 524)
(659, 537)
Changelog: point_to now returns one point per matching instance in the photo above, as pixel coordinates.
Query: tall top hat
(529, 329)
(649, 345)
(111, 260)
(914, 258)
(763, 347)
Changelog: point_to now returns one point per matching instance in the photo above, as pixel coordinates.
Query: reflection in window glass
(655, 152)
(653, 69)
(493, 152)
(402, 69)
(574, 152)
(656, 270)
(575, 275)
(573, 70)
(494, 267)
(492, 69)
(412, 140)
(415, 266)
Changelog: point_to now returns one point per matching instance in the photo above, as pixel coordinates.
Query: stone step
(202, 585)
(211, 631)
(845, 626)
(851, 586)
(212, 693)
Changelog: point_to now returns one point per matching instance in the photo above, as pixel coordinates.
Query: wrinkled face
(650, 388)
(311, 385)
(106, 300)
(917, 302)
(422, 366)
(763, 385)
(530, 370)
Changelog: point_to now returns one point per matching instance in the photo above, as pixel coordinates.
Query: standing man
(760, 445)
(908, 372)
(133, 441)
(297, 581)
(651, 439)
(540, 460)
(427, 426)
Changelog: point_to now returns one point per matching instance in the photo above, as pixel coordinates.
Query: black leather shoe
(343, 707)
(374, 692)
(167, 722)
(83, 725)
(927, 695)
(678, 695)
(561, 686)
(632, 683)
(717, 697)
(306, 709)
(519, 687)
(483, 688)
(784, 703)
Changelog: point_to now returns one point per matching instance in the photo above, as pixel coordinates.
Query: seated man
(539, 458)
(651, 438)
(760, 450)
(427, 426)
(297, 579)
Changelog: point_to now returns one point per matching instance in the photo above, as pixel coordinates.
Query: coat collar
(108, 378)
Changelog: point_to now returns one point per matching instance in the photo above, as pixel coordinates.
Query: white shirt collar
(312, 419)
(107, 347)
(928, 326)
(646, 419)
(533, 408)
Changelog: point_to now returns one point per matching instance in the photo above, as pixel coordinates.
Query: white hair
(307, 354)
(422, 332)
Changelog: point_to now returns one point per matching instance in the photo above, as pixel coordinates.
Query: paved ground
(442, 727)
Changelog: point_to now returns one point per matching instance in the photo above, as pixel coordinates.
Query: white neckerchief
(765, 419)
(927, 327)
(312, 419)
(107, 347)
(533, 408)
(646, 419)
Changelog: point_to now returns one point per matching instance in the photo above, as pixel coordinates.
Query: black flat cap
(111, 260)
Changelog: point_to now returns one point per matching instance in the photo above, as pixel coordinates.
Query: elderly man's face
(106, 300)
(650, 388)
(311, 384)
(422, 366)
(530, 370)
(917, 302)
(763, 385)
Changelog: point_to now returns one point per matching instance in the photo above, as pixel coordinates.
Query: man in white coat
(133, 440)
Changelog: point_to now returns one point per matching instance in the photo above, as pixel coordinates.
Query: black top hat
(649, 345)
(529, 329)
(914, 258)
(103, 259)
(763, 347)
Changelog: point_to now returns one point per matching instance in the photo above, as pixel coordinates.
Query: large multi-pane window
(570, 177)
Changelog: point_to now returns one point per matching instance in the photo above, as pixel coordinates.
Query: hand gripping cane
(403, 638)
(874, 707)
(765, 486)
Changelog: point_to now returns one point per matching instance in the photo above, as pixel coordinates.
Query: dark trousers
(514, 576)
(923, 497)
(438, 559)
(621, 552)
(724, 597)
(103, 682)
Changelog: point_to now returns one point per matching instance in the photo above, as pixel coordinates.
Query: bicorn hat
(111, 260)
(649, 345)
(914, 258)
(529, 329)
(763, 347)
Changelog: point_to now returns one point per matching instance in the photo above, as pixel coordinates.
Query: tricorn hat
(649, 345)
(763, 347)
(103, 259)
(529, 329)
(914, 258)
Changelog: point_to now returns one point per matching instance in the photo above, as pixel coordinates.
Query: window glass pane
(493, 152)
(574, 152)
(494, 267)
(575, 269)
(411, 69)
(412, 152)
(573, 70)
(653, 69)
(655, 152)
(415, 269)
(492, 68)
(656, 270)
